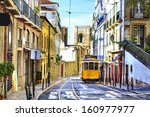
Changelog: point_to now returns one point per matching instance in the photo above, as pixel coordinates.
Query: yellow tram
(90, 69)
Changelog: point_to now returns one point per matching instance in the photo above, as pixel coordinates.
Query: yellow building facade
(22, 38)
(49, 68)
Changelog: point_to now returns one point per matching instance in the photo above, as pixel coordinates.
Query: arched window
(27, 37)
(80, 38)
(10, 36)
(33, 39)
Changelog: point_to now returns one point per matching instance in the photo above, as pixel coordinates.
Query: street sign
(4, 19)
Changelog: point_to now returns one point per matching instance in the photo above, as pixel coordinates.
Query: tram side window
(91, 65)
(85, 66)
(96, 66)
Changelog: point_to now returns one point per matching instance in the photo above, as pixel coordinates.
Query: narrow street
(73, 88)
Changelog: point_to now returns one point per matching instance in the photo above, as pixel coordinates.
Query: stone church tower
(82, 37)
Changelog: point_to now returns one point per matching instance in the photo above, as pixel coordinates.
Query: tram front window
(85, 66)
(96, 66)
(91, 65)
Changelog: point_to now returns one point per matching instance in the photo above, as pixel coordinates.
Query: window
(80, 38)
(85, 66)
(10, 37)
(37, 42)
(139, 34)
(19, 37)
(96, 66)
(27, 38)
(91, 65)
(27, 35)
(19, 34)
(33, 39)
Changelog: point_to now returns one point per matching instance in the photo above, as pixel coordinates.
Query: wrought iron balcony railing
(28, 12)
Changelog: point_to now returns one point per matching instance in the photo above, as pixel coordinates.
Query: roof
(48, 2)
(46, 9)
(44, 17)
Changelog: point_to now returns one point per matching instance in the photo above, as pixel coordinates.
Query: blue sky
(81, 13)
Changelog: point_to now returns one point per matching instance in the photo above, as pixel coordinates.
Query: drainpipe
(5, 54)
(49, 57)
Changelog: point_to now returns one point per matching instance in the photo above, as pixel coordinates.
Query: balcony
(12, 7)
(29, 14)
(115, 20)
(138, 13)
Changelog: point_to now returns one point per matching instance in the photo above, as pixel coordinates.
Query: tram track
(59, 90)
(75, 89)
(72, 89)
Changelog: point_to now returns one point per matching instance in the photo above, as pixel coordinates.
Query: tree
(6, 69)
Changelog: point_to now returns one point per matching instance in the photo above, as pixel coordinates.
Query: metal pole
(49, 58)
(5, 54)
(43, 84)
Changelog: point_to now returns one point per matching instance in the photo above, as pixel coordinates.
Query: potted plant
(6, 69)
(36, 9)
(58, 58)
(147, 45)
(1, 79)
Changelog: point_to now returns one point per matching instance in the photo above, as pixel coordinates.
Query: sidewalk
(21, 95)
(138, 90)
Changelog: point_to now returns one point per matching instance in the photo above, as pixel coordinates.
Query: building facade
(82, 37)
(125, 34)
(23, 37)
(49, 9)
(98, 27)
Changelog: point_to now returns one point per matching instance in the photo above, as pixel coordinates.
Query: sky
(82, 12)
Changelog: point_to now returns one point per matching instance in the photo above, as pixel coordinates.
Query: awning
(116, 52)
(35, 54)
(27, 49)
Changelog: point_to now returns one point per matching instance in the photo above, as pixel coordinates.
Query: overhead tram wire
(69, 17)
(70, 12)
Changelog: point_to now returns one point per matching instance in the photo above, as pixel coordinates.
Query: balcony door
(139, 11)
(139, 32)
